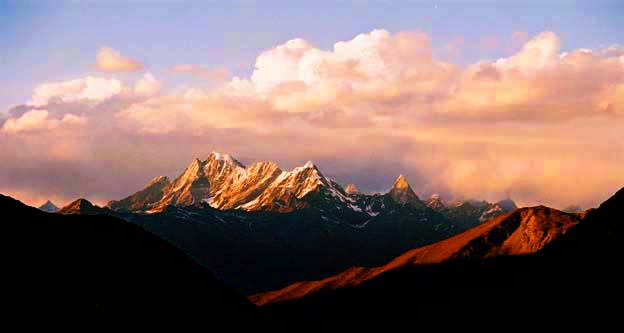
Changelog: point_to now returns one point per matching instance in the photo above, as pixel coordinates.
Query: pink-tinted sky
(540, 123)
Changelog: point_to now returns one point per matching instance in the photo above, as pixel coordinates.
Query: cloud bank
(541, 126)
(213, 74)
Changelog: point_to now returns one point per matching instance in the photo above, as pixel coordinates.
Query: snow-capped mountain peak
(225, 183)
(225, 158)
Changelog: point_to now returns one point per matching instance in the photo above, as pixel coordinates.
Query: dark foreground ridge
(101, 265)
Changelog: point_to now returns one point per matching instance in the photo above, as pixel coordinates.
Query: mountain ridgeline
(261, 228)
(533, 265)
(523, 231)
(224, 183)
(303, 248)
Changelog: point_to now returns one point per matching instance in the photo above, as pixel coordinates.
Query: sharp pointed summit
(49, 207)
(402, 193)
(400, 183)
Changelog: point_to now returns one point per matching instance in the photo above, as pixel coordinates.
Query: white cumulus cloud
(39, 120)
(89, 89)
(147, 85)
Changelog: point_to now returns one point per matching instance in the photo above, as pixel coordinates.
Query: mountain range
(532, 265)
(226, 184)
(261, 228)
(554, 267)
(303, 254)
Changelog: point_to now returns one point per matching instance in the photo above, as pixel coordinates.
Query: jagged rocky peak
(435, 202)
(352, 189)
(308, 167)
(192, 169)
(402, 193)
(49, 207)
(247, 187)
(259, 169)
(225, 159)
(304, 177)
(294, 189)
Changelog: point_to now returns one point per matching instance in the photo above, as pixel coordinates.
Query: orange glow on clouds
(541, 125)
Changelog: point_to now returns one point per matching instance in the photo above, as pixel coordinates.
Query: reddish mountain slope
(82, 206)
(151, 194)
(522, 231)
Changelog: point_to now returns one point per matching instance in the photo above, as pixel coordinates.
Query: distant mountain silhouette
(104, 266)
(575, 276)
(82, 206)
(49, 207)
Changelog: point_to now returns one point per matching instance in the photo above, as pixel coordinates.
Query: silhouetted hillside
(105, 266)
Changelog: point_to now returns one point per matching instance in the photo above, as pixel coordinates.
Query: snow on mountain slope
(225, 183)
(246, 188)
(289, 190)
(201, 180)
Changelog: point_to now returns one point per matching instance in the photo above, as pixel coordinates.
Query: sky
(467, 99)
